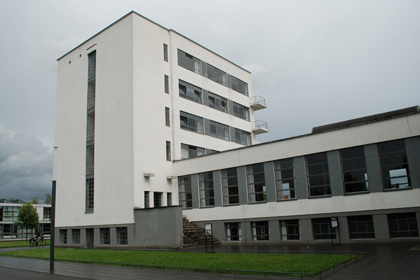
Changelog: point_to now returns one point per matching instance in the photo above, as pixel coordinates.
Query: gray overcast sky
(315, 62)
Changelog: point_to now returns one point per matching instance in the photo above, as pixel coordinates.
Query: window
(165, 52)
(167, 117)
(233, 232)
(76, 236)
(47, 214)
(361, 227)
(122, 237)
(188, 61)
(353, 166)
(91, 65)
(219, 130)
(260, 231)
(91, 95)
(90, 160)
(63, 236)
(185, 195)
(216, 75)
(318, 175)
(190, 92)
(166, 83)
(242, 137)
(230, 186)
(189, 151)
(105, 236)
(168, 150)
(394, 166)
(89, 195)
(285, 179)
(90, 127)
(403, 225)
(169, 199)
(206, 189)
(240, 111)
(157, 199)
(239, 85)
(256, 183)
(191, 122)
(322, 228)
(290, 230)
(217, 102)
(146, 199)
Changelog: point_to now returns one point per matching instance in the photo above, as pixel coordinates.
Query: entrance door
(89, 238)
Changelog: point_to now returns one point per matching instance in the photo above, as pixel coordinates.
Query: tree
(27, 217)
(35, 200)
(48, 199)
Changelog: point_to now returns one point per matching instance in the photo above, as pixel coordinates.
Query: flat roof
(133, 12)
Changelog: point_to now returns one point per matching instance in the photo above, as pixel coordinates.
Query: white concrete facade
(130, 131)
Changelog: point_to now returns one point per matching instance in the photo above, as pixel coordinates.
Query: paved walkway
(384, 261)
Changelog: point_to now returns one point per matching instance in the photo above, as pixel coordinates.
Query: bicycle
(41, 242)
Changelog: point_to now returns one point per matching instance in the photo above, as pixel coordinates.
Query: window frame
(313, 174)
(185, 191)
(229, 183)
(361, 227)
(219, 130)
(233, 231)
(260, 231)
(392, 160)
(290, 229)
(206, 189)
(403, 220)
(240, 111)
(348, 158)
(256, 196)
(281, 173)
(187, 120)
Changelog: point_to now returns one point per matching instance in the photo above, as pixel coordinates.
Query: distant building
(151, 126)
(9, 210)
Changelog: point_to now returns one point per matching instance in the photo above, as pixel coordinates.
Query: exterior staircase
(193, 235)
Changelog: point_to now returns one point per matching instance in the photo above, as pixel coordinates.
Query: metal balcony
(257, 103)
(259, 127)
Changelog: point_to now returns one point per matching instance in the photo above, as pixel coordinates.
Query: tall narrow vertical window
(206, 189)
(256, 183)
(157, 199)
(166, 84)
(63, 236)
(167, 117)
(90, 133)
(185, 194)
(318, 175)
(146, 199)
(168, 150)
(353, 166)
(394, 165)
(165, 52)
(169, 199)
(89, 195)
(230, 186)
(285, 179)
(75, 233)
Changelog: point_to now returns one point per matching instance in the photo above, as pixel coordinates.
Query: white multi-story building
(151, 126)
(130, 101)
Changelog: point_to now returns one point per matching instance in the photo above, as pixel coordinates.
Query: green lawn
(19, 243)
(250, 262)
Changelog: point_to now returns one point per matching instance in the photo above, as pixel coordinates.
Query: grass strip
(18, 243)
(302, 263)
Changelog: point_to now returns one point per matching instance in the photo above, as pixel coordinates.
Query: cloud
(25, 165)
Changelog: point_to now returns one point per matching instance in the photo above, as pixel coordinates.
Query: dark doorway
(89, 238)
